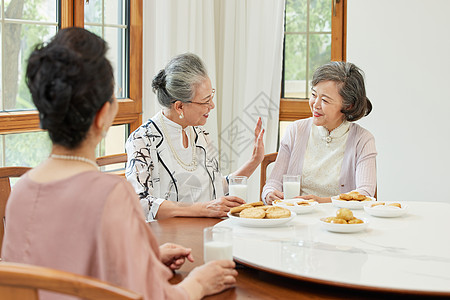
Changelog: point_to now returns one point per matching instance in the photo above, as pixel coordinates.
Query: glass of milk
(217, 243)
(238, 186)
(291, 186)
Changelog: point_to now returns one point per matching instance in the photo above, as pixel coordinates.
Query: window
(26, 23)
(314, 35)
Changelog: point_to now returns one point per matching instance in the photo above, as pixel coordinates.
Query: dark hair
(178, 80)
(70, 79)
(350, 82)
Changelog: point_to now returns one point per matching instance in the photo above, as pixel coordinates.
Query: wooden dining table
(254, 283)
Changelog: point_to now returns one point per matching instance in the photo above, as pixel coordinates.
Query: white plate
(352, 204)
(345, 228)
(260, 222)
(299, 209)
(386, 211)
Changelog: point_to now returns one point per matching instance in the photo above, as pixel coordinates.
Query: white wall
(404, 47)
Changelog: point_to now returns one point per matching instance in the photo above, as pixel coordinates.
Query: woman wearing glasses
(171, 163)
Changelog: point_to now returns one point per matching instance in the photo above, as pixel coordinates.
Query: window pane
(319, 51)
(110, 25)
(320, 15)
(93, 11)
(115, 12)
(26, 149)
(39, 10)
(18, 42)
(283, 126)
(117, 55)
(296, 15)
(114, 143)
(295, 66)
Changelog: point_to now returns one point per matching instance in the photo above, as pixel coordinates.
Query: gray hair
(178, 80)
(350, 81)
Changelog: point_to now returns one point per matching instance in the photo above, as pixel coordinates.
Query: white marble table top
(410, 253)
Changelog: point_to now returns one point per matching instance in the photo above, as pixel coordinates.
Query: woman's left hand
(258, 147)
(315, 198)
(174, 256)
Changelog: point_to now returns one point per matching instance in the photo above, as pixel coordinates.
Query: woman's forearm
(247, 169)
(169, 209)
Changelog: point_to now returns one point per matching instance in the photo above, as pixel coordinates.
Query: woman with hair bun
(171, 163)
(66, 214)
(332, 154)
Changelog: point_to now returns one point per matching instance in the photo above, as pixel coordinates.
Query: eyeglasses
(207, 103)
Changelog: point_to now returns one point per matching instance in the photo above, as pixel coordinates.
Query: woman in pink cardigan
(332, 154)
(65, 214)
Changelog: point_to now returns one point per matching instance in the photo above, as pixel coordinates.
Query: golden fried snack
(335, 220)
(289, 204)
(359, 197)
(377, 204)
(265, 207)
(345, 197)
(355, 221)
(395, 204)
(277, 201)
(277, 212)
(304, 203)
(345, 214)
(252, 213)
(328, 220)
(240, 208)
(254, 204)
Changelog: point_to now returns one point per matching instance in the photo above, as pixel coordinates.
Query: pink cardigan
(90, 224)
(358, 171)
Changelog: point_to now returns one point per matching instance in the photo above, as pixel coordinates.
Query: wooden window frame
(130, 109)
(294, 109)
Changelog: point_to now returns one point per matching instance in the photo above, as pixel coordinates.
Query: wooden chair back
(268, 159)
(5, 190)
(21, 281)
(111, 160)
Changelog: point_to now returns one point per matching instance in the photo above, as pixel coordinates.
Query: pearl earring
(181, 115)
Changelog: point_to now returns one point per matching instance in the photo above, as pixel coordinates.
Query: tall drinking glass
(217, 243)
(238, 186)
(291, 186)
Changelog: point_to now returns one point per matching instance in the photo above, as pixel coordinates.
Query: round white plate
(386, 211)
(299, 209)
(351, 204)
(345, 228)
(260, 222)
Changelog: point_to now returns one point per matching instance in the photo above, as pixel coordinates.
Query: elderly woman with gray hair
(330, 153)
(171, 162)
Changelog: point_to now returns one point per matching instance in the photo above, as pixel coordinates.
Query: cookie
(345, 197)
(252, 213)
(254, 204)
(238, 209)
(377, 204)
(395, 204)
(344, 213)
(355, 221)
(359, 197)
(277, 212)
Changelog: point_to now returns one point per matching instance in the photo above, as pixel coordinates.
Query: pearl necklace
(192, 166)
(75, 158)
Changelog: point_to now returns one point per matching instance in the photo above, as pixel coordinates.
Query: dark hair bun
(159, 81)
(70, 79)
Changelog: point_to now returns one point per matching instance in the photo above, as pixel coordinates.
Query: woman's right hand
(275, 195)
(210, 278)
(218, 208)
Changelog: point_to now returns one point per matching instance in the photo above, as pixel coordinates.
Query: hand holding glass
(291, 186)
(217, 243)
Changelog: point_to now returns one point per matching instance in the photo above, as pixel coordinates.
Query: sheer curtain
(241, 43)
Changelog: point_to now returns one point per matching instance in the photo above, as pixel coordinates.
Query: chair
(268, 159)
(5, 189)
(111, 160)
(21, 281)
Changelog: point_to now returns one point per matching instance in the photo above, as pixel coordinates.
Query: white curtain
(240, 42)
